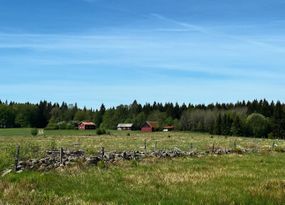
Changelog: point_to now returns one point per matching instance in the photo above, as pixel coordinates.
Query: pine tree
(218, 125)
(236, 128)
(278, 122)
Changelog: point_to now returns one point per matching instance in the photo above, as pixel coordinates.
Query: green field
(257, 178)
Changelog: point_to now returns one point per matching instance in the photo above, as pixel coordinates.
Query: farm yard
(257, 177)
(147, 102)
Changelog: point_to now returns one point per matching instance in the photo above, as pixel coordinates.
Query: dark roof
(168, 127)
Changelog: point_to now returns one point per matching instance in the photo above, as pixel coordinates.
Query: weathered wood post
(102, 152)
(235, 144)
(155, 146)
(61, 155)
(17, 157)
(213, 147)
(145, 146)
(273, 145)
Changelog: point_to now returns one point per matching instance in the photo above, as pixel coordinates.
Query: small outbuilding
(125, 126)
(150, 126)
(168, 128)
(87, 125)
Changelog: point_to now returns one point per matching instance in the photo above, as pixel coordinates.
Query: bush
(62, 125)
(271, 136)
(100, 131)
(257, 124)
(70, 126)
(34, 132)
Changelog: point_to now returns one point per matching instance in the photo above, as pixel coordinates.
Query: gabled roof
(153, 124)
(87, 123)
(169, 127)
(129, 125)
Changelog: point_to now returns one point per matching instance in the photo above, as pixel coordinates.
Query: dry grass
(230, 179)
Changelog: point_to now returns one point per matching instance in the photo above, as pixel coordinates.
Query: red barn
(150, 126)
(87, 126)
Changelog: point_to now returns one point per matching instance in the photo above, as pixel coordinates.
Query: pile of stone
(137, 155)
(61, 158)
(52, 160)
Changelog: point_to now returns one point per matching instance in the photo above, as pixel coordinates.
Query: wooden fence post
(155, 146)
(17, 157)
(213, 147)
(273, 145)
(61, 155)
(235, 144)
(102, 152)
(145, 146)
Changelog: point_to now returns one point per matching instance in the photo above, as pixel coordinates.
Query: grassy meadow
(257, 178)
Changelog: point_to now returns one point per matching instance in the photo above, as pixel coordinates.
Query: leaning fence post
(61, 155)
(145, 145)
(17, 157)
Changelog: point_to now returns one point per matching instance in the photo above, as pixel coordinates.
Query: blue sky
(115, 51)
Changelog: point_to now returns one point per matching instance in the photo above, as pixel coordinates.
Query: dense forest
(255, 118)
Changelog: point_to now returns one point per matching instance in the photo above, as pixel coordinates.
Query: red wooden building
(150, 126)
(87, 126)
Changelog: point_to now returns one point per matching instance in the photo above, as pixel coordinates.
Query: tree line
(253, 118)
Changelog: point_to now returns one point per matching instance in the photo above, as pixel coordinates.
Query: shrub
(70, 126)
(270, 135)
(62, 125)
(257, 124)
(100, 131)
(34, 132)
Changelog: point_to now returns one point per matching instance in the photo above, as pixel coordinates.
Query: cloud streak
(147, 50)
(192, 53)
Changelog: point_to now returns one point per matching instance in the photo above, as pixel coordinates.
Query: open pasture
(257, 178)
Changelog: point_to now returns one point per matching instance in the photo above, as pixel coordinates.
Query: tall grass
(229, 179)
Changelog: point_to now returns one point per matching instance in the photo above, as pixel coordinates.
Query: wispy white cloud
(124, 47)
(185, 26)
(189, 53)
(189, 58)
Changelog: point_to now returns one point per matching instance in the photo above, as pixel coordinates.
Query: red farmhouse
(150, 126)
(87, 126)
